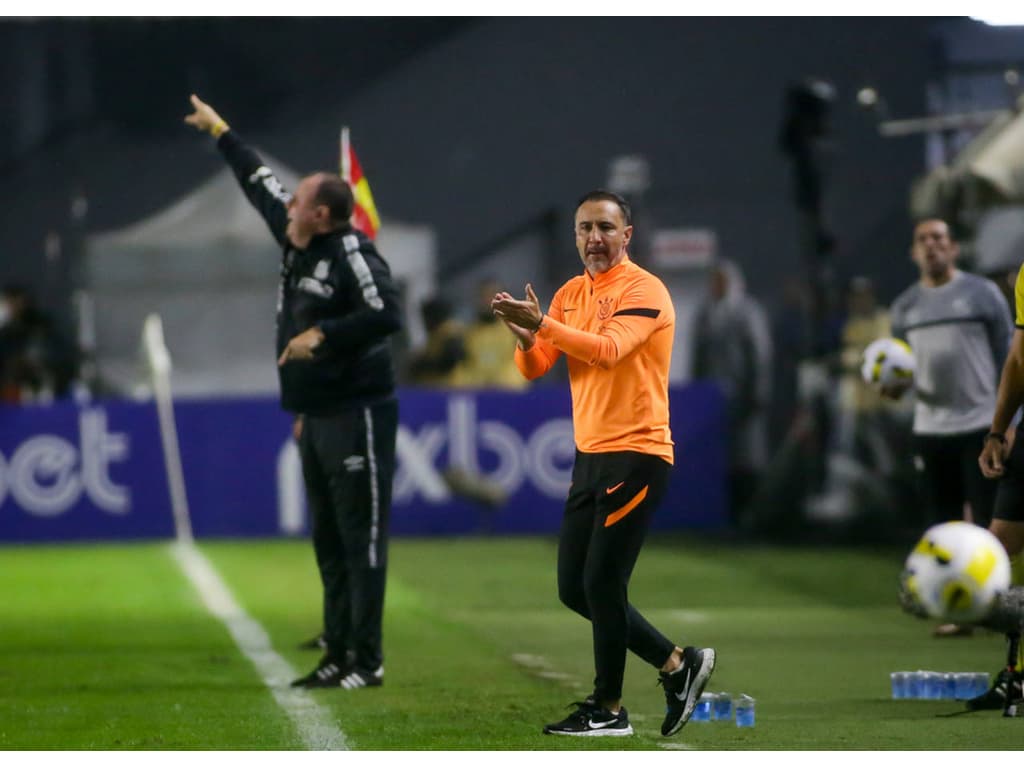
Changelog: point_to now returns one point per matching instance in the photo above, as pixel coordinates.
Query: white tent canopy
(209, 266)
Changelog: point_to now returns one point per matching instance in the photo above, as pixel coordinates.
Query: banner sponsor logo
(98, 472)
(47, 474)
(543, 458)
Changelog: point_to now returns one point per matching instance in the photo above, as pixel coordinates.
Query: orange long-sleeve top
(616, 331)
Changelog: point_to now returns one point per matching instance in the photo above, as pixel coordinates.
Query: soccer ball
(955, 572)
(887, 362)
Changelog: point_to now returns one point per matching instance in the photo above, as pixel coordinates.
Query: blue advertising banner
(97, 471)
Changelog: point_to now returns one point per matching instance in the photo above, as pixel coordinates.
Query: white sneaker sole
(627, 731)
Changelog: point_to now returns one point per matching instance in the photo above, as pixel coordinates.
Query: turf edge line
(316, 727)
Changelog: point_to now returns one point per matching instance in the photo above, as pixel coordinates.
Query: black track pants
(607, 514)
(348, 462)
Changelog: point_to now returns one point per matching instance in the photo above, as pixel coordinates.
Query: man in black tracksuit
(337, 305)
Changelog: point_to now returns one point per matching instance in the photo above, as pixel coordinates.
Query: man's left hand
(302, 346)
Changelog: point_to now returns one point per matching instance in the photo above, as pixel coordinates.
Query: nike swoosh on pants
(624, 510)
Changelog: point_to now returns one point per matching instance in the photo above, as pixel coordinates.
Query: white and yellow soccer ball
(956, 571)
(888, 362)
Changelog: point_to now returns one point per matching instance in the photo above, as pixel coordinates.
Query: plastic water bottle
(948, 685)
(915, 684)
(963, 687)
(931, 684)
(980, 683)
(721, 708)
(899, 682)
(702, 712)
(745, 711)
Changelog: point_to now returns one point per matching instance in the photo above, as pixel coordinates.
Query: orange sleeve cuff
(537, 360)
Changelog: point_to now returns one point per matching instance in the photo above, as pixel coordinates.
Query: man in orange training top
(615, 324)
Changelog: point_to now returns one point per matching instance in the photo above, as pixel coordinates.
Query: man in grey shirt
(959, 326)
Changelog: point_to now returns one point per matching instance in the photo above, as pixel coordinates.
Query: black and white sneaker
(361, 678)
(591, 720)
(328, 674)
(684, 686)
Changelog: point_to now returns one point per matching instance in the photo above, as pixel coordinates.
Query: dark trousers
(611, 501)
(1010, 493)
(948, 468)
(348, 462)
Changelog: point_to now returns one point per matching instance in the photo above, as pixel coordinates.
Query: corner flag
(364, 212)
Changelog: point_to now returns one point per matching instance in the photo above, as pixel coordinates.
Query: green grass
(108, 647)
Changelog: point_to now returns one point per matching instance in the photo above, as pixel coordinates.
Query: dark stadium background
(475, 126)
(486, 130)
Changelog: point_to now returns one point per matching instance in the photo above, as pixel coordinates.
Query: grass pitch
(108, 647)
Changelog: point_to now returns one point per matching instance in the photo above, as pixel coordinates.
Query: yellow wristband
(218, 128)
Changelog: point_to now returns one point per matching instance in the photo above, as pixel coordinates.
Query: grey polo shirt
(960, 333)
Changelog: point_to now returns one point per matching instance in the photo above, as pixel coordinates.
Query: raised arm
(258, 182)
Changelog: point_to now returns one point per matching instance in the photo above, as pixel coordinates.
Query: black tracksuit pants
(949, 475)
(607, 513)
(348, 462)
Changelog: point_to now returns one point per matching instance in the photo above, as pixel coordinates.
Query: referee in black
(337, 307)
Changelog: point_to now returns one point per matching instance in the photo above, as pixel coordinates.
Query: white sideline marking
(688, 617)
(539, 666)
(314, 723)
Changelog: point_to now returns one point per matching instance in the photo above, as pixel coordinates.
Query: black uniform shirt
(339, 283)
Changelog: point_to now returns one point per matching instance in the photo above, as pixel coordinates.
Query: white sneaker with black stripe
(360, 678)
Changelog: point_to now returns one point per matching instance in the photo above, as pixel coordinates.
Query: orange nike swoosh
(614, 488)
(621, 512)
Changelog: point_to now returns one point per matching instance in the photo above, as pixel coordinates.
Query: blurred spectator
(959, 326)
(1006, 281)
(790, 345)
(489, 362)
(437, 363)
(865, 322)
(861, 460)
(440, 364)
(733, 348)
(36, 363)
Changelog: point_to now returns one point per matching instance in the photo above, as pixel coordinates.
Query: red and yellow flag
(364, 212)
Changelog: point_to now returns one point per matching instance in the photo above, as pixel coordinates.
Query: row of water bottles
(719, 706)
(926, 684)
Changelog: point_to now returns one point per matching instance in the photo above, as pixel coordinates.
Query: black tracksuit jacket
(339, 283)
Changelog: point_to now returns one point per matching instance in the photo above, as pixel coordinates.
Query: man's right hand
(205, 117)
(894, 391)
(993, 457)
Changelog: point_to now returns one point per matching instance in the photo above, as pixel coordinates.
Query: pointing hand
(204, 117)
